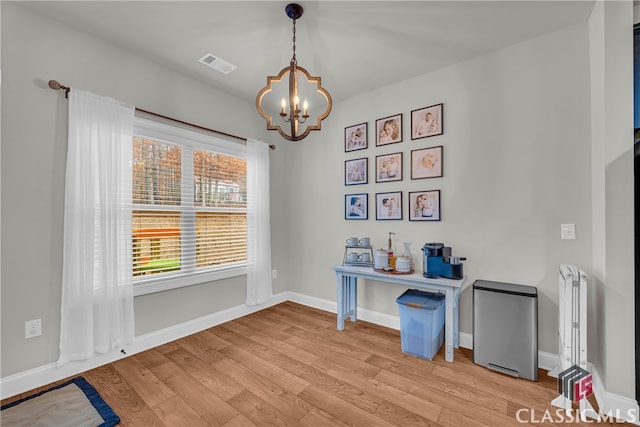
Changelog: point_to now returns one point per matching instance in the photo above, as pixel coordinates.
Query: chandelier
(285, 90)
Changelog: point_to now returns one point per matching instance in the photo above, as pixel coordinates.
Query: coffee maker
(438, 262)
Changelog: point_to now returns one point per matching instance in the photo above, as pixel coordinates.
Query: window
(189, 207)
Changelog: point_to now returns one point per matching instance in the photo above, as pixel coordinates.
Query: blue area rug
(75, 403)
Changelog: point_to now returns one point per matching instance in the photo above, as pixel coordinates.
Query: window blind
(189, 206)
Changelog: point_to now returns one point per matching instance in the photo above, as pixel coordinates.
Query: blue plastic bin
(421, 322)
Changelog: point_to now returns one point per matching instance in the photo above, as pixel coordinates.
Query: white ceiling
(355, 46)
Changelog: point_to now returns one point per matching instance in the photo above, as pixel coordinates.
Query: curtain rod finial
(55, 85)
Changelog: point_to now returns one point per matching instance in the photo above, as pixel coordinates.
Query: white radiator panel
(572, 326)
(572, 331)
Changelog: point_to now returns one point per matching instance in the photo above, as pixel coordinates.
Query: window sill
(167, 283)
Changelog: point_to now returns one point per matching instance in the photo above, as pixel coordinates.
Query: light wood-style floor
(289, 366)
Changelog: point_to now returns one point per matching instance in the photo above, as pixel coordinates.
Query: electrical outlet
(274, 274)
(32, 328)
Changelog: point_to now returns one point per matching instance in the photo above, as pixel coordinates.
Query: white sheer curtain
(259, 289)
(97, 292)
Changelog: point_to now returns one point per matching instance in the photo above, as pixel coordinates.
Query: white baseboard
(547, 361)
(378, 318)
(315, 302)
(42, 375)
(615, 406)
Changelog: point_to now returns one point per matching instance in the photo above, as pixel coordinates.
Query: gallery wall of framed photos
(423, 154)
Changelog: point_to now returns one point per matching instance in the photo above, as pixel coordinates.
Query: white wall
(35, 50)
(611, 66)
(517, 164)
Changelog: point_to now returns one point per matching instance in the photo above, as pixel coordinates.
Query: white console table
(347, 284)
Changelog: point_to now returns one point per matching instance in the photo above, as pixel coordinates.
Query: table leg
(449, 326)
(456, 318)
(347, 299)
(353, 298)
(341, 285)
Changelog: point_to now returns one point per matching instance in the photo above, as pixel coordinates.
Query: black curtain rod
(55, 85)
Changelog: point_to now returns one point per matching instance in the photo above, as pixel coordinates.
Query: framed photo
(355, 171)
(389, 130)
(389, 205)
(356, 206)
(426, 162)
(424, 205)
(355, 137)
(426, 122)
(389, 167)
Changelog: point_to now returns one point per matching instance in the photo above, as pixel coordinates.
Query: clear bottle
(407, 253)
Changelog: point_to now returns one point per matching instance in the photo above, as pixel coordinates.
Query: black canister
(432, 249)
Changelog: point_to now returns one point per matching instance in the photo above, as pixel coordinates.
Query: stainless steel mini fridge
(505, 328)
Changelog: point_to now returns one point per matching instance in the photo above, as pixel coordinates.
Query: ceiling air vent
(217, 63)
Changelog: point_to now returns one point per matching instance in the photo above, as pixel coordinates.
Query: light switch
(568, 231)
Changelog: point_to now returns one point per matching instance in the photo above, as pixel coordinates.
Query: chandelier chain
(294, 42)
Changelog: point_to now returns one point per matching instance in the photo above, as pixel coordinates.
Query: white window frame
(162, 132)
